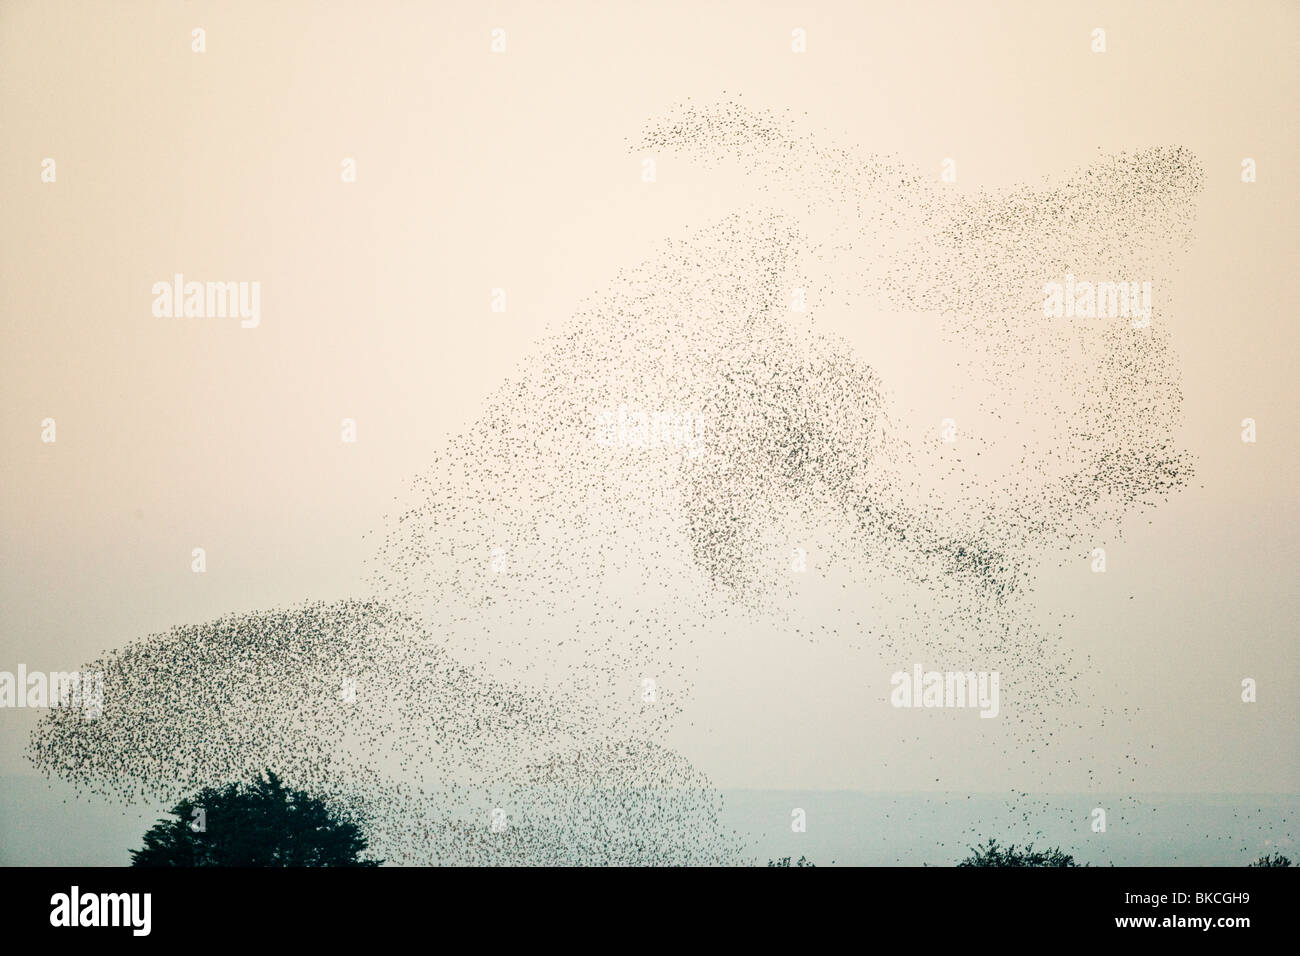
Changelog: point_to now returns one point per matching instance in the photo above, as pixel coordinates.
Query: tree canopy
(262, 823)
(991, 854)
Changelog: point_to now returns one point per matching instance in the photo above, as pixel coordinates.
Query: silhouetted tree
(259, 824)
(1273, 859)
(994, 855)
(785, 861)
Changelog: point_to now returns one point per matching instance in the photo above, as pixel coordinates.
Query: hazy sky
(477, 171)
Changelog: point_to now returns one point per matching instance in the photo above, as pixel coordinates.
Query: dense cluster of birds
(542, 589)
(359, 705)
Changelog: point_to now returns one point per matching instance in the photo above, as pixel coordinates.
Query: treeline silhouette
(266, 824)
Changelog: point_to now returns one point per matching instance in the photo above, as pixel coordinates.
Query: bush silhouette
(994, 855)
(785, 861)
(258, 824)
(1273, 859)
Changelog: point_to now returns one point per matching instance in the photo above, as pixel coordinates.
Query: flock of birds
(540, 595)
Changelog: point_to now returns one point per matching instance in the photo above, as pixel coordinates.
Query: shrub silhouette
(785, 861)
(262, 823)
(1273, 859)
(994, 855)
